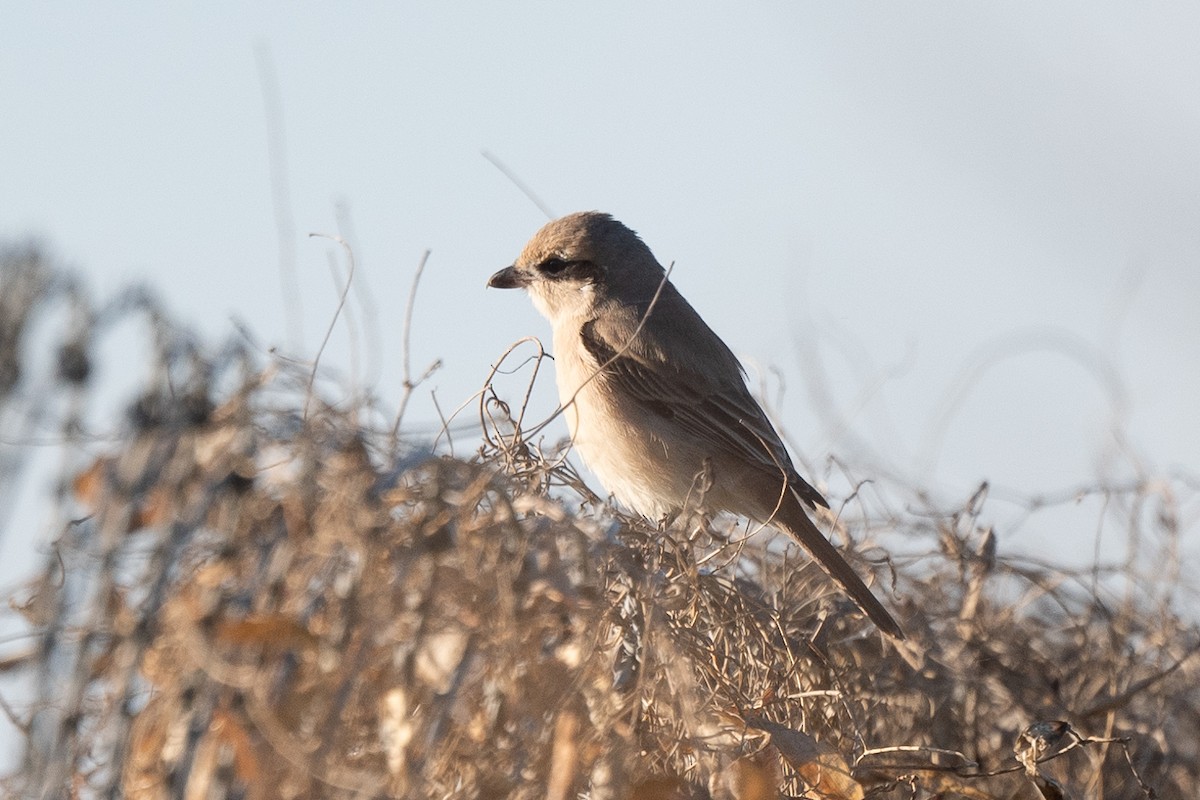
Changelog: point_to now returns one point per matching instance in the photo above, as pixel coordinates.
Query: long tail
(791, 517)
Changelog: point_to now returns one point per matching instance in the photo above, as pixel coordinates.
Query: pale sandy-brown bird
(656, 403)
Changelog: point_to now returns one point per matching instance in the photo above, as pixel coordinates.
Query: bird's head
(579, 261)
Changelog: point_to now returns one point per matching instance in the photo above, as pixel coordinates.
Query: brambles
(265, 603)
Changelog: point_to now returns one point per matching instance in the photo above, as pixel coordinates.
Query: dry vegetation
(253, 594)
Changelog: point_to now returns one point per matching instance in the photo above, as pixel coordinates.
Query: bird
(655, 402)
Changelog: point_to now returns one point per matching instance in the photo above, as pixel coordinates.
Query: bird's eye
(554, 266)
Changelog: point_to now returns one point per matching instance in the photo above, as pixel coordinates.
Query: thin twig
(337, 312)
(520, 184)
(406, 350)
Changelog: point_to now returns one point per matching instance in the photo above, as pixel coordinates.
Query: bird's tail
(791, 517)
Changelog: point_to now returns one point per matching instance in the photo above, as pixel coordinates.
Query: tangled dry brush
(254, 594)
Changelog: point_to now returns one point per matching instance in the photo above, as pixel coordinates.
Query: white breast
(624, 450)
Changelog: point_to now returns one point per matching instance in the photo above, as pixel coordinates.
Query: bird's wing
(721, 413)
(716, 411)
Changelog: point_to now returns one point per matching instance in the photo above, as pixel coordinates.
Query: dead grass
(261, 597)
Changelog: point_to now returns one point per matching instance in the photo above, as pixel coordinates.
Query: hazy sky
(967, 234)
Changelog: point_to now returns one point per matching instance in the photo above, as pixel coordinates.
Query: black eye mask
(555, 268)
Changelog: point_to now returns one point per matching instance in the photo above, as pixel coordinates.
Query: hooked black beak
(507, 278)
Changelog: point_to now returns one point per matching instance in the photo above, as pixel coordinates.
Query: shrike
(656, 403)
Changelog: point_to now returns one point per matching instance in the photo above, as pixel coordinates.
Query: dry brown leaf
(87, 484)
(276, 630)
(755, 777)
(228, 729)
(821, 767)
(942, 783)
(151, 510)
(564, 756)
(154, 510)
(660, 788)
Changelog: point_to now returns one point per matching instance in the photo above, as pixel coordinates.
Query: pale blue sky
(898, 189)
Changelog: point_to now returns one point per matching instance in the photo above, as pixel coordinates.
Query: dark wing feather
(719, 413)
(725, 417)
